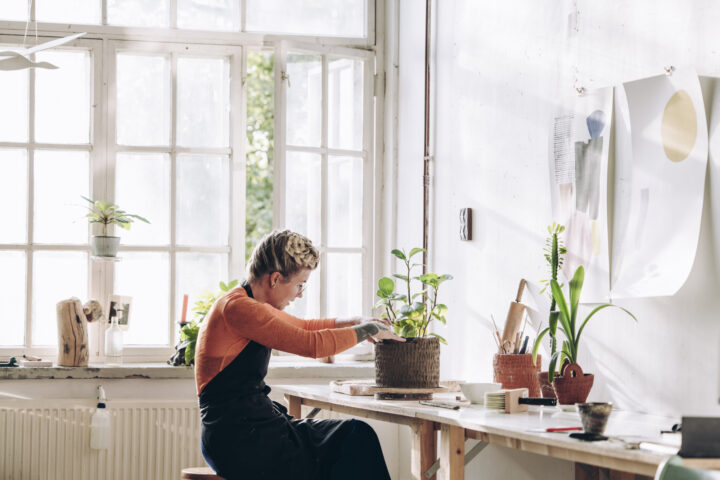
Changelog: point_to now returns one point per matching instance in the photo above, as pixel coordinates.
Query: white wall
(500, 66)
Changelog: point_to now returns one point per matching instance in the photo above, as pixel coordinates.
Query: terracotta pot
(517, 371)
(414, 363)
(572, 386)
(546, 388)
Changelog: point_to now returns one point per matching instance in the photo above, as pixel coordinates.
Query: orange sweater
(236, 319)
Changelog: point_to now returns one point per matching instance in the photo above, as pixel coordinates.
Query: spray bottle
(100, 424)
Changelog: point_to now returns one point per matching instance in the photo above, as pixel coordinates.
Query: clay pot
(572, 385)
(546, 388)
(517, 371)
(414, 363)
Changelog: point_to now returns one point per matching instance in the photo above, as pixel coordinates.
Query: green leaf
(441, 309)
(401, 277)
(415, 251)
(553, 322)
(576, 285)
(552, 368)
(562, 305)
(408, 331)
(399, 254)
(595, 310)
(444, 278)
(190, 353)
(536, 345)
(442, 340)
(386, 286)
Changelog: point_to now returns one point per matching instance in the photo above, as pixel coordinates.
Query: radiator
(50, 440)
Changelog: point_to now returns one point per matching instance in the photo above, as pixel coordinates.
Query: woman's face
(289, 288)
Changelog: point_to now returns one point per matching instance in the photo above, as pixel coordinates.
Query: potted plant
(106, 214)
(572, 385)
(185, 349)
(416, 362)
(554, 251)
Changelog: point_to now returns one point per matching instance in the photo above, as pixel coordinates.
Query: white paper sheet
(658, 214)
(714, 159)
(578, 176)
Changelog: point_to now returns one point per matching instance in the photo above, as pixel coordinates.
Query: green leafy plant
(189, 331)
(411, 313)
(567, 319)
(109, 214)
(554, 252)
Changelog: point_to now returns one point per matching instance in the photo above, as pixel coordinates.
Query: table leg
(294, 406)
(424, 449)
(452, 452)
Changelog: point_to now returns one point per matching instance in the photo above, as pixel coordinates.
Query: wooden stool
(199, 473)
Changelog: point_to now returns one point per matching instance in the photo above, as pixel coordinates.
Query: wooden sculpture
(72, 318)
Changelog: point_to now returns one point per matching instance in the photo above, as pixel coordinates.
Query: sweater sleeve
(273, 328)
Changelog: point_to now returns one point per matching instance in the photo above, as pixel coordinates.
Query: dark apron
(246, 435)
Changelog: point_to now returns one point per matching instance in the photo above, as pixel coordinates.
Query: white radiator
(50, 440)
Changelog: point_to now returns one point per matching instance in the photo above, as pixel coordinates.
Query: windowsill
(279, 368)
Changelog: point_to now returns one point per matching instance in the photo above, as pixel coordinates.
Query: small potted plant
(554, 251)
(572, 385)
(185, 349)
(107, 214)
(416, 362)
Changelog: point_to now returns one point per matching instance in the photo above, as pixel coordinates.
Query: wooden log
(73, 348)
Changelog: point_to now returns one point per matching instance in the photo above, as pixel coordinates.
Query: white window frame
(100, 39)
(367, 154)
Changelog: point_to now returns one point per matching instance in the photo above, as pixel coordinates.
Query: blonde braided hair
(282, 251)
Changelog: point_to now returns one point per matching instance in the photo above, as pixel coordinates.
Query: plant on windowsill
(185, 349)
(572, 385)
(107, 214)
(416, 362)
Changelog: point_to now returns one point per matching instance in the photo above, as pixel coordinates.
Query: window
(156, 127)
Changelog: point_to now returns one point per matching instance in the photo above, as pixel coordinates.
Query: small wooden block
(199, 473)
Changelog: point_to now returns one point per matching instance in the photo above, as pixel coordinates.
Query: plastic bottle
(100, 424)
(113, 342)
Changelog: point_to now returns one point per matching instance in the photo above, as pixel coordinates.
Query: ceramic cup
(475, 392)
(594, 416)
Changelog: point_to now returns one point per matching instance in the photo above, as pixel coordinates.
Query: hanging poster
(661, 185)
(578, 177)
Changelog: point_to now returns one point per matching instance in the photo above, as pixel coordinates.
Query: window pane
(304, 100)
(203, 200)
(14, 101)
(143, 187)
(222, 15)
(12, 298)
(345, 104)
(145, 278)
(302, 194)
(143, 99)
(68, 11)
(309, 305)
(345, 18)
(56, 276)
(260, 149)
(13, 194)
(344, 284)
(61, 177)
(14, 10)
(139, 13)
(196, 274)
(345, 182)
(203, 102)
(62, 97)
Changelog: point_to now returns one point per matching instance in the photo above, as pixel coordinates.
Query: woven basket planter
(411, 364)
(517, 371)
(573, 386)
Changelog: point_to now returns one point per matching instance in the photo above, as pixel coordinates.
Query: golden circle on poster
(679, 126)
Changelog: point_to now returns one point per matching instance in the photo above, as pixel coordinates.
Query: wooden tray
(367, 387)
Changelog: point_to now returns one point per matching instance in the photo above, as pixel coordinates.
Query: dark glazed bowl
(594, 416)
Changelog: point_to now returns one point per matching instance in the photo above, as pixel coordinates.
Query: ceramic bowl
(594, 416)
(475, 392)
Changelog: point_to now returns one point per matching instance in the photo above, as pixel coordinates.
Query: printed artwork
(578, 165)
(661, 158)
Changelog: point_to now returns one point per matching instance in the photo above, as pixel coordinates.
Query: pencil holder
(517, 371)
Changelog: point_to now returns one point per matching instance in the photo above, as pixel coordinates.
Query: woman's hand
(375, 331)
(353, 321)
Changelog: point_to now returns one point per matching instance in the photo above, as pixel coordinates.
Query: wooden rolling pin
(514, 320)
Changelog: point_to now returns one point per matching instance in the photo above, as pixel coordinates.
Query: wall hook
(669, 70)
(580, 91)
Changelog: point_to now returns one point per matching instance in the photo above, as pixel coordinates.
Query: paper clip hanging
(669, 70)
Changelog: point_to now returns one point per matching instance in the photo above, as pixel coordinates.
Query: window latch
(285, 77)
